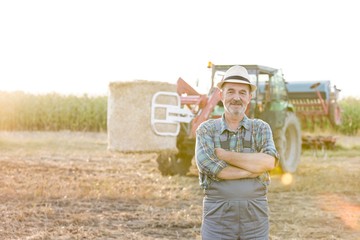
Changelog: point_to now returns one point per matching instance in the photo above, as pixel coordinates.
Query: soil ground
(66, 185)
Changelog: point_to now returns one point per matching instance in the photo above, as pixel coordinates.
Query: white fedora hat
(237, 74)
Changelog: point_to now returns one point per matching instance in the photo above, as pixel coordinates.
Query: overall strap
(223, 137)
(247, 138)
(225, 140)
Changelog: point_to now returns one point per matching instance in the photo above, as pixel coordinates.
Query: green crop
(52, 112)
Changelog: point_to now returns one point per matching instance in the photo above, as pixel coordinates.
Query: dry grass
(66, 185)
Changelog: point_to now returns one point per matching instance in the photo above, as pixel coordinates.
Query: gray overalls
(236, 209)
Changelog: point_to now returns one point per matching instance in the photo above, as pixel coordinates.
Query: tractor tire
(288, 143)
(164, 163)
(335, 114)
(174, 164)
(180, 163)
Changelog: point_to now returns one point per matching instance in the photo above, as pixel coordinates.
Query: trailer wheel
(288, 143)
(335, 114)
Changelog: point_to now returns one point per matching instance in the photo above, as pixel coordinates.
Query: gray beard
(237, 112)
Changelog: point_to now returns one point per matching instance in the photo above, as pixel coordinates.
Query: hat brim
(252, 86)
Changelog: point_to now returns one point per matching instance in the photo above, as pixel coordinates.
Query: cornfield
(21, 111)
(350, 116)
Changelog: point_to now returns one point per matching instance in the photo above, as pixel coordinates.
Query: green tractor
(272, 102)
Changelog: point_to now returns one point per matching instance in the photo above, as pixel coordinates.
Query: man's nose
(237, 97)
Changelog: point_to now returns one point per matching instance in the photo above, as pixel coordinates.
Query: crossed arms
(244, 165)
(218, 163)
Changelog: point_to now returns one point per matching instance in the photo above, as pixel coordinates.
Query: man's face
(235, 97)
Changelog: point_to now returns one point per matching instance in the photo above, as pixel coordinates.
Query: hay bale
(129, 117)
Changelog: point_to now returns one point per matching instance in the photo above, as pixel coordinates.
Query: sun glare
(286, 179)
(347, 211)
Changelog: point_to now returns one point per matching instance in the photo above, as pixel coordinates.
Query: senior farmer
(233, 156)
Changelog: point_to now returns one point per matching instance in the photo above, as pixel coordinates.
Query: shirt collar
(245, 122)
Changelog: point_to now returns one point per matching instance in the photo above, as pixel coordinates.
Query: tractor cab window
(219, 75)
(278, 87)
(263, 92)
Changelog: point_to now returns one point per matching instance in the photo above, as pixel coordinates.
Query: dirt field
(68, 186)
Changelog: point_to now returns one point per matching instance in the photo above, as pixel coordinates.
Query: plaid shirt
(208, 138)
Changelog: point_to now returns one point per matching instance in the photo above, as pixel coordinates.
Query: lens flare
(286, 179)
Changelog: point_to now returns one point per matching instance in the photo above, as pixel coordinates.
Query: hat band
(237, 78)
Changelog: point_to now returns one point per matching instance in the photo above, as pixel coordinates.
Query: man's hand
(231, 172)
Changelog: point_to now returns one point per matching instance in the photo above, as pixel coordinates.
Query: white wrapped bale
(129, 117)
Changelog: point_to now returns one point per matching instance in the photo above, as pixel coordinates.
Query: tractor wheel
(180, 163)
(335, 114)
(288, 143)
(172, 164)
(164, 163)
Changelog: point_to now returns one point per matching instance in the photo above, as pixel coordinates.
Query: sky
(78, 47)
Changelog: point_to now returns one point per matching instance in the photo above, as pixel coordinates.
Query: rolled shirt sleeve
(264, 140)
(206, 160)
